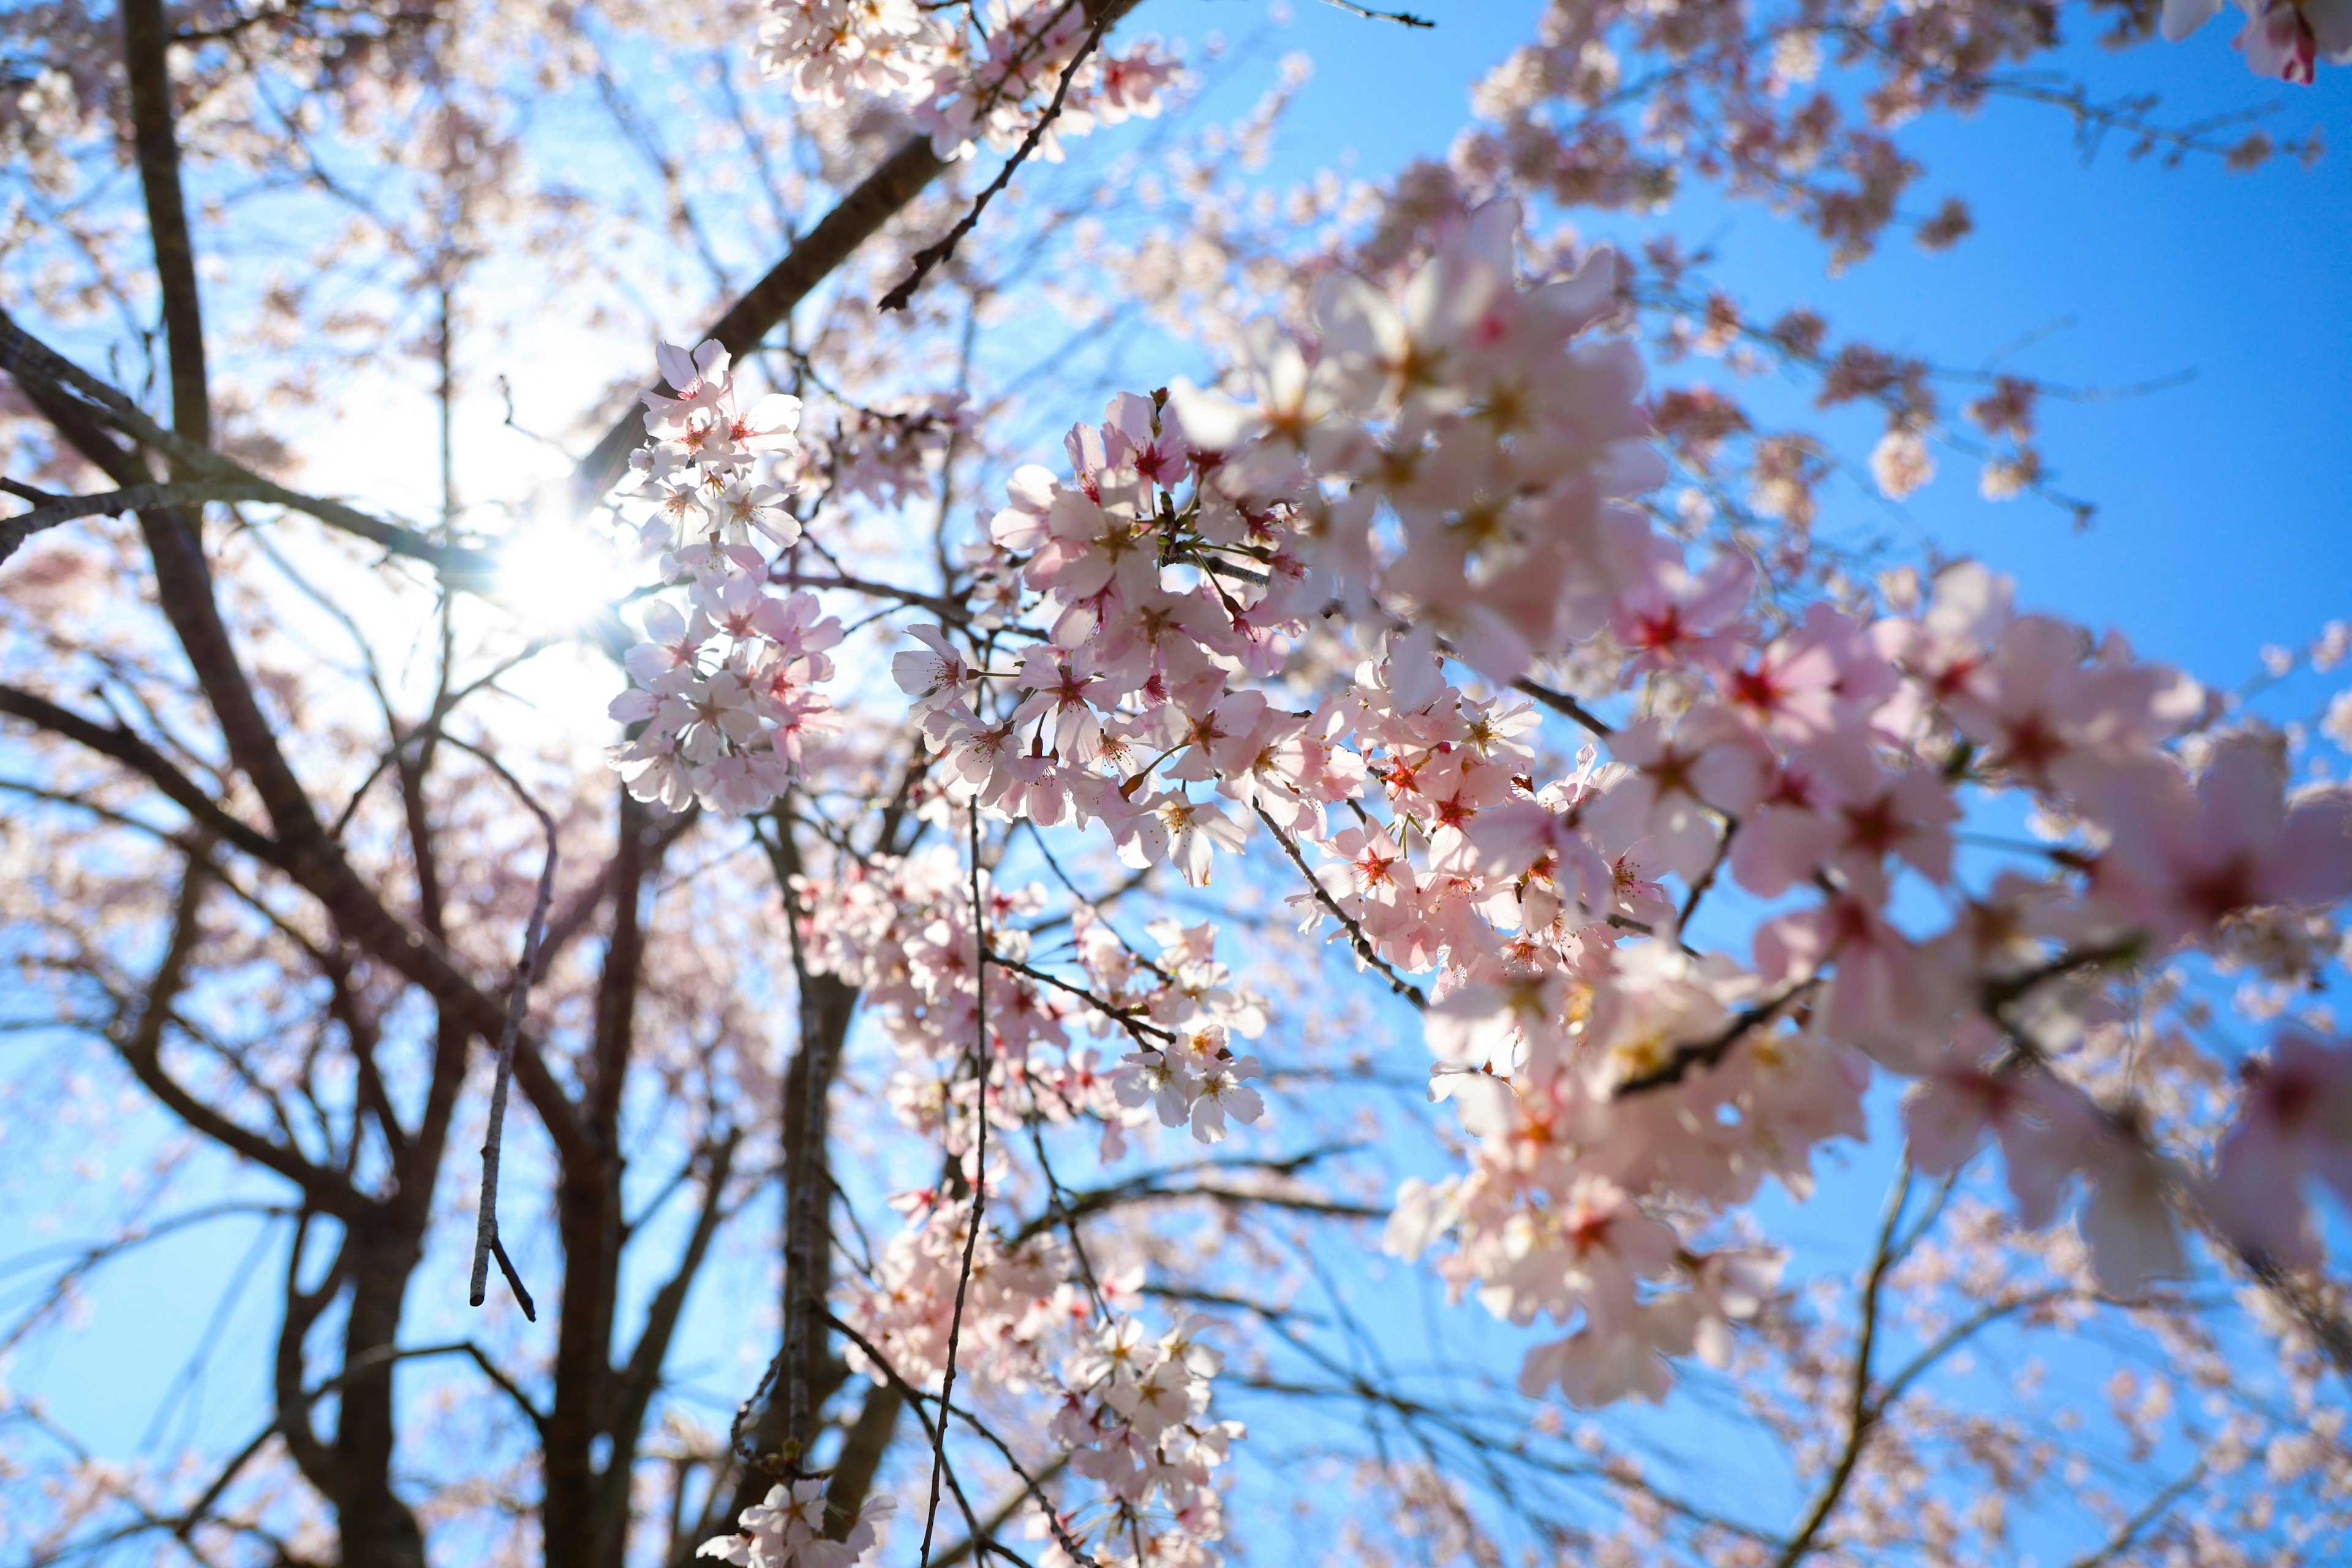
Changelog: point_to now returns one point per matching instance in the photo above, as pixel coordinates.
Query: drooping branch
(486, 1218)
(935, 1431)
(979, 1216)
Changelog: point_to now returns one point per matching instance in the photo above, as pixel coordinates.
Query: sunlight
(559, 577)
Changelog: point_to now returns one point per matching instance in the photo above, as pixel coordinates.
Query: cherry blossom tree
(989, 981)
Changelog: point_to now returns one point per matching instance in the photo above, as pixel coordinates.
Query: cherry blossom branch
(1154, 1184)
(1363, 946)
(813, 257)
(2155, 1509)
(1123, 1016)
(1715, 1047)
(919, 1398)
(1003, 1514)
(946, 608)
(2092, 120)
(1997, 994)
(931, 256)
(1707, 878)
(2327, 1327)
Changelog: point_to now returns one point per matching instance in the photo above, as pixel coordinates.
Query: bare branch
(146, 37)
(1562, 702)
(1861, 1412)
(486, 1218)
(15, 530)
(1406, 18)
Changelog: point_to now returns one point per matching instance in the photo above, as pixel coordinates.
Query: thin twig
(1402, 19)
(1363, 946)
(918, 1398)
(1863, 1413)
(1713, 1049)
(1562, 702)
(979, 1177)
(487, 1244)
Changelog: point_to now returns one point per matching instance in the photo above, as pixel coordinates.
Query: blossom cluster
(724, 689)
(1129, 1408)
(1428, 477)
(901, 929)
(1026, 1314)
(786, 1529)
(882, 453)
(963, 83)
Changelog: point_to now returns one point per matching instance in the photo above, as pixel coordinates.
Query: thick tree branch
(15, 530)
(146, 39)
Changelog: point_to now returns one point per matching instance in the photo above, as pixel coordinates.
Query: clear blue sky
(2223, 516)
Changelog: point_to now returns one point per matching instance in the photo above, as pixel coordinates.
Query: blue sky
(2222, 517)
